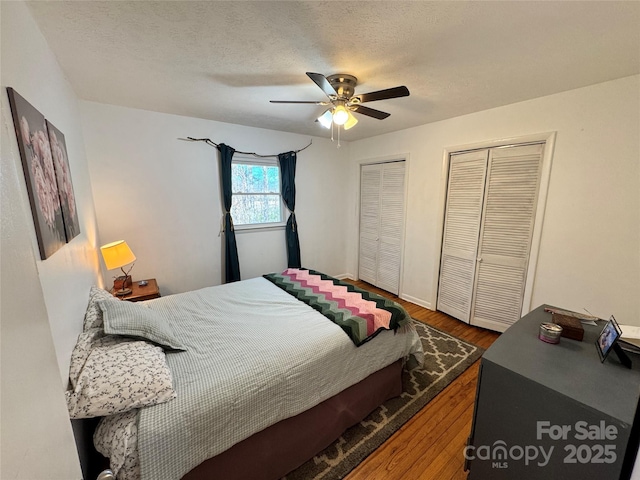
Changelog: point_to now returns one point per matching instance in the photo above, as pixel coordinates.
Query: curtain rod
(208, 141)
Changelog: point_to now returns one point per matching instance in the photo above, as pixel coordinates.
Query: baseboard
(417, 301)
(344, 276)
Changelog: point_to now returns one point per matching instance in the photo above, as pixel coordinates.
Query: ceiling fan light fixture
(325, 119)
(351, 121)
(340, 115)
(340, 91)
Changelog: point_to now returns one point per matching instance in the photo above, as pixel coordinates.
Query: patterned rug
(446, 357)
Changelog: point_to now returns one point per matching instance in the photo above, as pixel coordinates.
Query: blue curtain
(231, 264)
(288, 183)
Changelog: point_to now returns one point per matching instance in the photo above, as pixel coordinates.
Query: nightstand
(140, 293)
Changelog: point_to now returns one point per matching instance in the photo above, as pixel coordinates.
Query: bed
(261, 379)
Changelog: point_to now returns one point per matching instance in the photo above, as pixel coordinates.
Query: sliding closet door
(505, 238)
(465, 196)
(381, 224)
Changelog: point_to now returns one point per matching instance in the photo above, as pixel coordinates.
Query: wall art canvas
(40, 175)
(63, 176)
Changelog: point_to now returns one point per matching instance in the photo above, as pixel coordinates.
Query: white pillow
(118, 376)
(93, 315)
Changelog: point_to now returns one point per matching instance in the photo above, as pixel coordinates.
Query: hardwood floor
(430, 445)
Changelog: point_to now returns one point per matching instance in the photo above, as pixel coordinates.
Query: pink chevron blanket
(361, 314)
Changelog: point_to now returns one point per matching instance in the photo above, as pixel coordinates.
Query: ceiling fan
(340, 88)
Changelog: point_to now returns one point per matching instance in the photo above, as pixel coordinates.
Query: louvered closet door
(465, 195)
(391, 226)
(370, 186)
(381, 224)
(505, 237)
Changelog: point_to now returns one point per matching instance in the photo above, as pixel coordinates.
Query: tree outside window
(256, 193)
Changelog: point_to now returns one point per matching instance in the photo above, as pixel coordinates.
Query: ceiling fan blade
(296, 101)
(323, 83)
(394, 92)
(370, 112)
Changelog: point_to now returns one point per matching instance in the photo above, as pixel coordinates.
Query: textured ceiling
(225, 60)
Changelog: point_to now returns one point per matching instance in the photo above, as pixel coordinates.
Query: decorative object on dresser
(571, 326)
(608, 341)
(550, 333)
(142, 290)
(117, 255)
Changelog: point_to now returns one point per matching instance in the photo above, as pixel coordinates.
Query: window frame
(269, 162)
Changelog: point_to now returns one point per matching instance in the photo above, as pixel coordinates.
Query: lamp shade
(117, 254)
(325, 119)
(351, 121)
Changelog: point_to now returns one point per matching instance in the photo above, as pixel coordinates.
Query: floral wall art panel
(63, 176)
(40, 175)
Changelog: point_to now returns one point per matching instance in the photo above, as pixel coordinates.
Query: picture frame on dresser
(608, 341)
(607, 338)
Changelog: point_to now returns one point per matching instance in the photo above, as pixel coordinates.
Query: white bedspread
(255, 355)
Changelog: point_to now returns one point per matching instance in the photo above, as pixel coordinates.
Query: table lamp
(117, 255)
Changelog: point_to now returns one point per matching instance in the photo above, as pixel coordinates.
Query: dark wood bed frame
(282, 447)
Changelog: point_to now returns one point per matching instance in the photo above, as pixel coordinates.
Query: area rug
(446, 357)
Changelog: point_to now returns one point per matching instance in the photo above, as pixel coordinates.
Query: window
(256, 193)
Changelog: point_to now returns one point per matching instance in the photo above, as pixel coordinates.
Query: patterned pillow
(118, 376)
(116, 438)
(81, 352)
(138, 321)
(93, 316)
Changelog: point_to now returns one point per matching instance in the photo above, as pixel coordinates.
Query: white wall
(590, 246)
(43, 302)
(68, 274)
(162, 196)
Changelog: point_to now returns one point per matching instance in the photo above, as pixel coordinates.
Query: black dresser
(547, 411)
